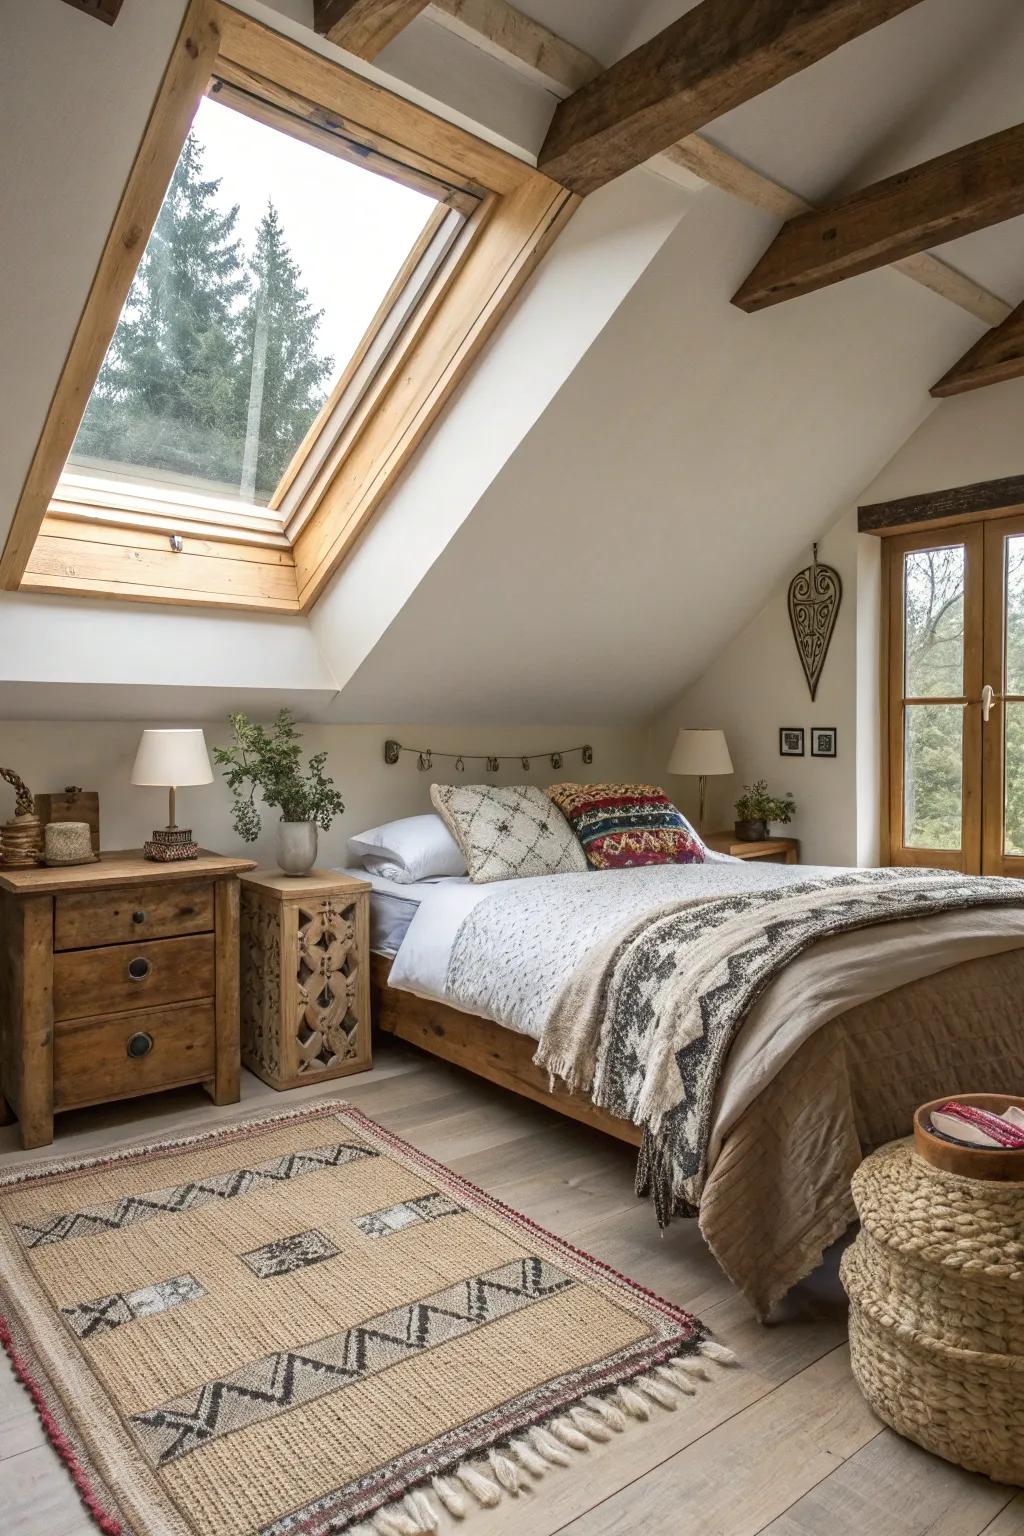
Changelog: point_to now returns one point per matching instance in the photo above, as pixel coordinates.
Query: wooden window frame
(122, 549)
(923, 523)
(968, 856)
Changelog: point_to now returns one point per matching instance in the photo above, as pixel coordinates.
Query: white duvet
(554, 920)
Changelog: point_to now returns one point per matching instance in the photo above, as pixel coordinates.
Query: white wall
(99, 754)
(78, 658)
(678, 475)
(755, 684)
(592, 267)
(977, 436)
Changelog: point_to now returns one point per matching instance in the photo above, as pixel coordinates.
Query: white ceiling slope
(697, 451)
(78, 659)
(692, 455)
(577, 288)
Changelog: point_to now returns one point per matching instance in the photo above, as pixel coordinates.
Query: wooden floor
(786, 1446)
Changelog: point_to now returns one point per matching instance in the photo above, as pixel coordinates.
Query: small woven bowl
(969, 1162)
(68, 842)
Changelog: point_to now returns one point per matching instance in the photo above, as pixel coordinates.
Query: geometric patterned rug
(299, 1325)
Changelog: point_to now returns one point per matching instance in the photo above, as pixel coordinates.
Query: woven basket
(936, 1286)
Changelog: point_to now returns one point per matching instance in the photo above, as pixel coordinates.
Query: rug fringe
(498, 1473)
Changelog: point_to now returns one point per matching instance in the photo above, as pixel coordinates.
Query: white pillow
(415, 848)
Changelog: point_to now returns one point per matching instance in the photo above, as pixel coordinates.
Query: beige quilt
(778, 1192)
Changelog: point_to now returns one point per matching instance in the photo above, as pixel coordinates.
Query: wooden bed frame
(481, 1046)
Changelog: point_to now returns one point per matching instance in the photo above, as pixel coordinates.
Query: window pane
(933, 775)
(933, 618)
(1014, 615)
(1013, 808)
(267, 263)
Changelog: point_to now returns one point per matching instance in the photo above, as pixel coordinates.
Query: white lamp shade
(171, 759)
(700, 753)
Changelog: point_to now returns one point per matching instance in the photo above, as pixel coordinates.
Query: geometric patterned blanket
(646, 1023)
(298, 1325)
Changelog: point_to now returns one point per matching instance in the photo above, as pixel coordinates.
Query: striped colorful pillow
(619, 825)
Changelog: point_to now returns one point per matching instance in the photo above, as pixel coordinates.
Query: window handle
(988, 698)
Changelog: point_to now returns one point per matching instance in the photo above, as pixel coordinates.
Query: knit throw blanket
(646, 1021)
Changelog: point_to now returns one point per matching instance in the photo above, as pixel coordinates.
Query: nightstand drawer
(122, 977)
(139, 1052)
(85, 919)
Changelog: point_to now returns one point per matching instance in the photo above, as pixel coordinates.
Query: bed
(830, 1062)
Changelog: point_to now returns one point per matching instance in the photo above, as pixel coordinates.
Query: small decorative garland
(425, 757)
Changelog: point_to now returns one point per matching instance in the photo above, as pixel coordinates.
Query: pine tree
(281, 381)
(166, 396)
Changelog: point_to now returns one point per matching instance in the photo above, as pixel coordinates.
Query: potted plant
(756, 809)
(271, 761)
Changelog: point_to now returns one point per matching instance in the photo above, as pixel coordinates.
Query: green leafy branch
(270, 760)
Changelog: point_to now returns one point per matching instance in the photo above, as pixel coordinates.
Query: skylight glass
(267, 263)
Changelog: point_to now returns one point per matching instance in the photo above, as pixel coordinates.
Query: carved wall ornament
(815, 594)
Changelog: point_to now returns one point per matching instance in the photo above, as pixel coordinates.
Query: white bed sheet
(827, 980)
(394, 905)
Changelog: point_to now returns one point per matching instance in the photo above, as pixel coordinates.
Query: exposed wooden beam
(950, 283)
(955, 194)
(998, 356)
(715, 57)
(541, 55)
(720, 169)
(528, 47)
(363, 27)
(103, 10)
(984, 496)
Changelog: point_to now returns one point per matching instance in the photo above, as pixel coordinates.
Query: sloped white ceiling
(697, 451)
(694, 452)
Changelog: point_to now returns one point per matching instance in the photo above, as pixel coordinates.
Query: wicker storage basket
(936, 1286)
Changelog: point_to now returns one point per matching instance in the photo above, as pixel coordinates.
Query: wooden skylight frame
(114, 541)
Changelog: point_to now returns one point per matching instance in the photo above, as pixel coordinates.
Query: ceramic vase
(296, 847)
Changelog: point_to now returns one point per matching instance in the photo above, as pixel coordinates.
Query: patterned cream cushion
(507, 834)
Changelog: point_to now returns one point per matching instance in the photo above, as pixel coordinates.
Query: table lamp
(172, 759)
(698, 754)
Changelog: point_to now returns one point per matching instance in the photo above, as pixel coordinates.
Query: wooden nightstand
(305, 976)
(117, 978)
(775, 850)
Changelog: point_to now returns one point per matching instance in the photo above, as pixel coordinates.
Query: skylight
(269, 261)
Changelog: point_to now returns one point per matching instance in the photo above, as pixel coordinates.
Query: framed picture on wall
(791, 741)
(823, 740)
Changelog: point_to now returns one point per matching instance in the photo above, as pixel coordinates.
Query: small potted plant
(271, 761)
(756, 809)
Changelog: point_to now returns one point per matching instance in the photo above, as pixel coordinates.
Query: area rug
(298, 1324)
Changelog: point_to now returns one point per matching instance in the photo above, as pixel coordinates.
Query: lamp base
(169, 845)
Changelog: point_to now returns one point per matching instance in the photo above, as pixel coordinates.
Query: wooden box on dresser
(117, 978)
(305, 976)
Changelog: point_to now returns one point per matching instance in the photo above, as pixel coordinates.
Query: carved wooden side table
(305, 976)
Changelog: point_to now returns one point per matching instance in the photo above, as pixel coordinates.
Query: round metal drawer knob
(139, 968)
(138, 917)
(140, 1044)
